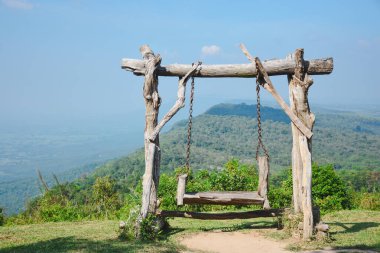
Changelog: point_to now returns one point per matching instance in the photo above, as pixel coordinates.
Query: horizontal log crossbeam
(222, 216)
(272, 67)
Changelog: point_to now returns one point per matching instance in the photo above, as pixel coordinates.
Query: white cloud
(18, 4)
(210, 50)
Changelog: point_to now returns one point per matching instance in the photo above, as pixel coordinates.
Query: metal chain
(259, 130)
(190, 124)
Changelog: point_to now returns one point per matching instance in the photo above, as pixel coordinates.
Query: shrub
(148, 229)
(329, 191)
(105, 197)
(2, 219)
(129, 230)
(367, 201)
(281, 196)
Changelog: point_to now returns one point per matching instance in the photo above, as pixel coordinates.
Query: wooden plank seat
(223, 198)
(228, 197)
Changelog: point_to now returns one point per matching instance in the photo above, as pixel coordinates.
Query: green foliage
(364, 180)
(2, 219)
(148, 228)
(366, 200)
(329, 191)
(106, 198)
(280, 194)
(129, 230)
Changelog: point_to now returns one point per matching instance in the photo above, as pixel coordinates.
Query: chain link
(190, 125)
(259, 130)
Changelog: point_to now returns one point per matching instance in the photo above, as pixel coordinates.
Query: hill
(350, 141)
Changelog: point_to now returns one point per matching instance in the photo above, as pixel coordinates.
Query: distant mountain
(267, 113)
(219, 135)
(347, 140)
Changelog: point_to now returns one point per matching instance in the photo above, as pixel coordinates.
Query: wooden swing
(298, 71)
(259, 197)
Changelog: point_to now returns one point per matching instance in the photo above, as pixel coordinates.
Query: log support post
(152, 148)
(299, 84)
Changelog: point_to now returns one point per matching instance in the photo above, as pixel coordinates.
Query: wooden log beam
(223, 198)
(180, 102)
(222, 216)
(267, 84)
(272, 67)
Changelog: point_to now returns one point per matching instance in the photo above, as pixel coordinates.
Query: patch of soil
(227, 242)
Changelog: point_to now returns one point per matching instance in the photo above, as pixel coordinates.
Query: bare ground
(243, 242)
(227, 242)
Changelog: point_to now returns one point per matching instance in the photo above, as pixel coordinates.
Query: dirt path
(227, 242)
(243, 242)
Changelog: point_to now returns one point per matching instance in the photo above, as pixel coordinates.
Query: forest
(346, 170)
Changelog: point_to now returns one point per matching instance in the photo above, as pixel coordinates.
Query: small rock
(122, 224)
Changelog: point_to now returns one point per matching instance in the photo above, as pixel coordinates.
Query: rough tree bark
(152, 148)
(299, 85)
(272, 67)
(267, 84)
(263, 186)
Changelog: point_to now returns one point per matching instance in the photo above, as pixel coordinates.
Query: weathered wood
(181, 188)
(263, 162)
(223, 198)
(180, 103)
(299, 84)
(322, 227)
(272, 67)
(152, 149)
(267, 84)
(222, 216)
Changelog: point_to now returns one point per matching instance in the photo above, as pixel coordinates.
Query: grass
(89, 236)
(348, 229)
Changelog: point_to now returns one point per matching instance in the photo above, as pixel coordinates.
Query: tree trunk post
(299, 84)
(152, 147)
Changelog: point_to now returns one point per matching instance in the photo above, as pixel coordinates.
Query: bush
(2, 218)
(148, 231)
(329, 191)
(281, 196)
(129, 230)
(105, 197)
(367, 201)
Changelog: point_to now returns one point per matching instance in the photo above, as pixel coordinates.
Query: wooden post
(181, 188)
(152, 148)
(299, 84)
(263, 162)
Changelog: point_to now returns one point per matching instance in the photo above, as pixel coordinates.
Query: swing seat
(228, 197)
(222, 198)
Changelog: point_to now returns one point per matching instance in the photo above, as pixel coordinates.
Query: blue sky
(62, 58)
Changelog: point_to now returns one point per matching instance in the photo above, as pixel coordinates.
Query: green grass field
(349, 229)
